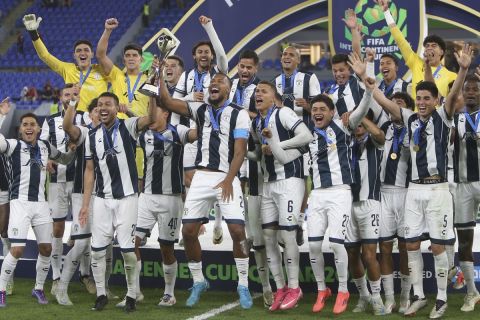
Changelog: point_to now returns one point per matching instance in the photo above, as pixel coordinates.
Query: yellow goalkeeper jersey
(442, 75)
(94, 82)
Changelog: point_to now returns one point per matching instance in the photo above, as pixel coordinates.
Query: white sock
(6, 246)
(341, 264)
(170, 276)
(317, 262)
(98, 270)
(42, 267)
(242, 269)
(218, 216)
(8, 268)
(406, 286)
(387, 282)
(292, 256)
(468, 273)
(274, 258)
(108, 263)
(361, 284)
(262, 268)
(450, 250)
(376, 287)
(72, 261)
(85, 260)
(301, 218)
(138, 271)
(196, 271)
(441, 274)
(415, 267)
(130, 266)
(56, 261)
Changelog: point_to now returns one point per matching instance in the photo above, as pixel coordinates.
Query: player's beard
(215, 102)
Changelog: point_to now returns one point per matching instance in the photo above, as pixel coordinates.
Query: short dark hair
(406, 98)
(133, 46)
(339, 57)
(272, 86)
(177, 58)
(226, 76)
(203, 43)
(436, 39)
(92, 105)
(29, 115)
(66, 86)
(109, 95)
(428, 86)
(249, 54)
(323, 98)
(82, 41)
(391, 56)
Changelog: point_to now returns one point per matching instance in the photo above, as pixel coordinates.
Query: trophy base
(149, 90)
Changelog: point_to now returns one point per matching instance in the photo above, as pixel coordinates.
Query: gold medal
(393, 156)
(333, 146)
(416, 148)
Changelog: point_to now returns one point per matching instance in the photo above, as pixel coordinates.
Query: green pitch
(22, 306)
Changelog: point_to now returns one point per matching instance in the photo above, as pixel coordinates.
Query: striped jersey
(244, 96)
(29, 168)
(191, 81)
(396, 165)
(398, 85)
(5, 172)
(113, 153)
(366, 161)
(80, 161)
(432, 137)
(347, 96)
(217, 131)
(163, 159)
(330, 153)
(466, 153)
(52, 131)
(298, 85)
(282, 122)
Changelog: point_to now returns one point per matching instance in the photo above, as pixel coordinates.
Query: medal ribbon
(215, 120)
(259, 125)
(84, 78)
(198, 79)
(417, 134)
(131, 92)
(398, 136)
(107, 136)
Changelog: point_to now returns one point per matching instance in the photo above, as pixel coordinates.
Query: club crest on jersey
(96, 76)
(298, 82)
(15, 231)
(110, 153)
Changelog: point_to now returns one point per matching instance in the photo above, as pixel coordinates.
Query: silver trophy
(167, 44)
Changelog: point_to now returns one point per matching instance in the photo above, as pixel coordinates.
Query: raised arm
(302, 136)
(60, 157)
(144, 122)
(388, 105)
(377, 134)
(351, 22)
(69, 118)
(4, 109)
(102, 46)
(222, 61)
(172, 104)
(282, 156)
(464, 60)
(361, 111)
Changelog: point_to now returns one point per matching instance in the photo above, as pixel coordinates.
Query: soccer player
(28, 205)
(467, 177)
(5, 175)
(330, 201)
(283, 188)
(61, 178)
(245, 82)
(222, 145)
(81, 235)
(432, 44)
(161, 198)
(89, 75)
(395, 176)
(428, 201)
(390, 83)
(296, 89)
(110, 153)
(174, 67)
(193, 87)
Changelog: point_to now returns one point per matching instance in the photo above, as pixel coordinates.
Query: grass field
(22, 306)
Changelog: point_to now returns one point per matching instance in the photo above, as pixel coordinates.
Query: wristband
(388, 17)
(34, 35)
(72, 103)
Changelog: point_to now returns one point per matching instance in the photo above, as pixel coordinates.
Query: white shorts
(329, 208)
(281, 203)
(244, 170)
(3, 197)
(59, 195)
(466, 205)
(110, 215)
(166, 210)
(255, 221)
(307, 164)
(364, 223)
(77, 231)
(429, 207)
(24, 214)
(392, 223)
(202, 196)
(189, 156)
